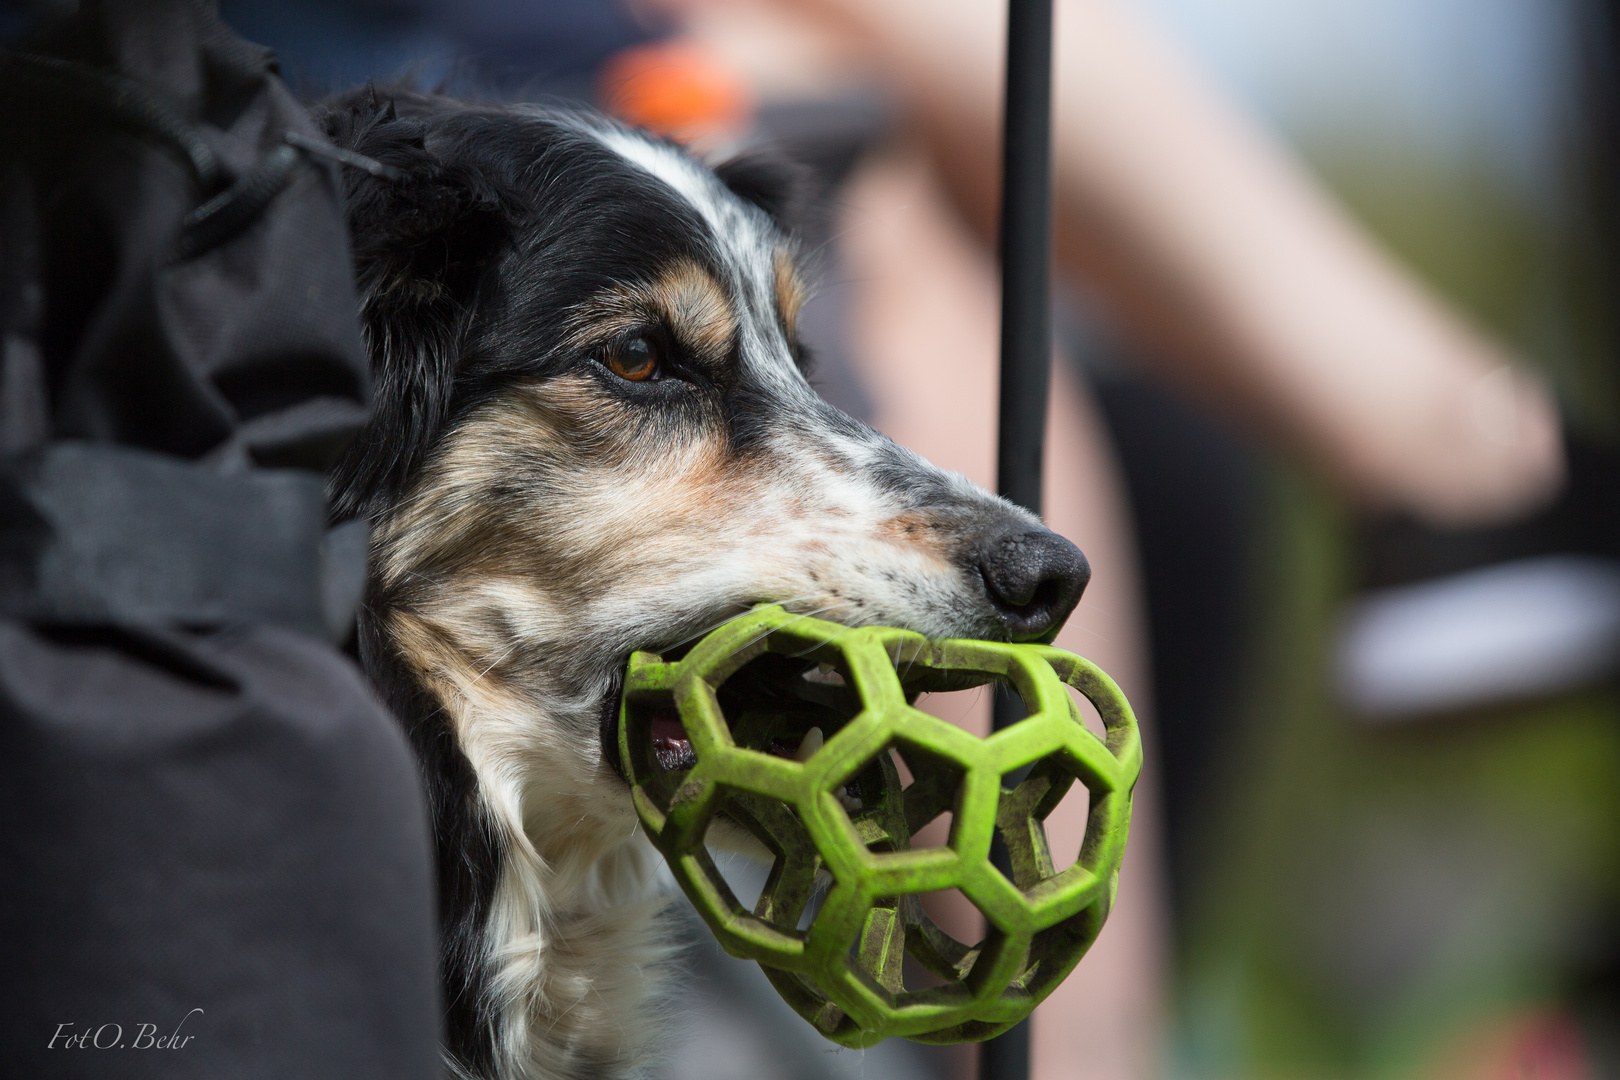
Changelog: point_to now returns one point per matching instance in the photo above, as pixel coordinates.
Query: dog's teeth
(825, 673)
(808, 745)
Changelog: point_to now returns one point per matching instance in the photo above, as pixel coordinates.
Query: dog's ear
(422, 242)
(425, 235)
(776, 184)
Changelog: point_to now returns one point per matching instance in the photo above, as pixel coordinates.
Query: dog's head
(593, 431)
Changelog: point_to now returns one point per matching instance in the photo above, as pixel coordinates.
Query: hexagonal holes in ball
(938, 927)
(767, 859)
(906, 949)
(1040, 821)
(903, 799)
(787, 705)
(1088, 714)
(967, 709)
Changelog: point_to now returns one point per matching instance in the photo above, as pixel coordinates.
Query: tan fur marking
(685, 296)
(790, 291)
(588, 494)
(917, 529)
(697, 308)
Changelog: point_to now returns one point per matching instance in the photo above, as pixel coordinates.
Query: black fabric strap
(109, 534)
(224, 216)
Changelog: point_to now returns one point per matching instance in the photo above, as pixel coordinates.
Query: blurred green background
(1377, 901)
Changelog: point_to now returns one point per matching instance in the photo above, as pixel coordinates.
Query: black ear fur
(776, 184)
(427, 233)
(421, 244)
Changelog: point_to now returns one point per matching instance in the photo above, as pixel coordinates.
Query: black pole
(1026, 341)
(1026, 252)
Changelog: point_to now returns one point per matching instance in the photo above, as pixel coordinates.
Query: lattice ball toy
(723, 742)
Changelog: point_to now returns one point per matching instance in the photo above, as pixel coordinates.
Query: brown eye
(635, 360)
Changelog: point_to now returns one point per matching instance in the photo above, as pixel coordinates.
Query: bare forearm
(1214, 248)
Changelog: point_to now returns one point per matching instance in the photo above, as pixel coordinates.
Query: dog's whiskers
(806, 615)
(724, 622)
(829, 641)
(733, 618)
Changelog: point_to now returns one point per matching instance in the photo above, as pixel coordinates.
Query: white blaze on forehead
(690, 180)
(746, 243)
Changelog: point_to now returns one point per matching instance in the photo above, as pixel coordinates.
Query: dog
(593, 433)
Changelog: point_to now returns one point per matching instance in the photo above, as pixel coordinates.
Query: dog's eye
(635, 360)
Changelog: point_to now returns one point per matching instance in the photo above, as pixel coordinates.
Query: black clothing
(207, 823)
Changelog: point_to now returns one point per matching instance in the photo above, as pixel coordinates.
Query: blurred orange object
(676, 89)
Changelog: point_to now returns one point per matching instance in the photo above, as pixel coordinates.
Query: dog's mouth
(671, 748)
(780, 705)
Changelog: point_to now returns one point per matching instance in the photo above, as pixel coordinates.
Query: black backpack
(214, 857)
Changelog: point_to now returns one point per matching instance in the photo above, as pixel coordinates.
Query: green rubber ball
(720, 750)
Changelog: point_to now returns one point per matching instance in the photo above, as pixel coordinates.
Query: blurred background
(1382, 839)
(1378, 870)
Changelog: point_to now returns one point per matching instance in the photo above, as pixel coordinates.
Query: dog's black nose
(1034, 578)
